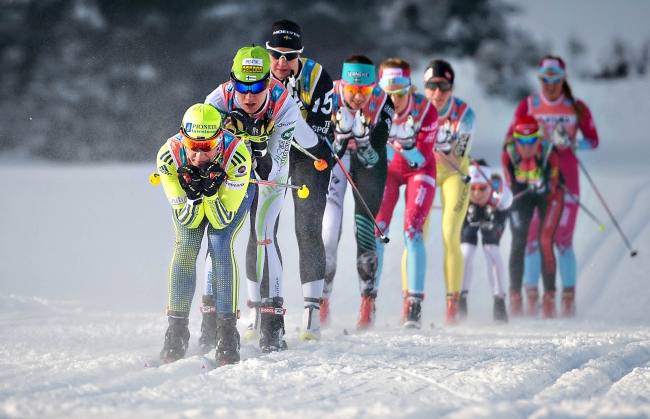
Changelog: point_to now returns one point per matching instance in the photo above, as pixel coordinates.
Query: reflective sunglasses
(398, 93)
(479, 187)
(526, 139)
(355, 88)
(444, 86)
(551, 79)
(288, 55)
(254, 87)
(201, 145)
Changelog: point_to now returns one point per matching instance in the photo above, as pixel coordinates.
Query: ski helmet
(526, 126)
(251, 64)
(201, 122)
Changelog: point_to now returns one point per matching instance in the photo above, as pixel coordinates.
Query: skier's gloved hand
(444, 138)
(360, 126)
(562, 139)
(191, 181)
(213, 176)
(258, 149)
(405, 133)
(245, 126)
(472, 217)
(365, 153)
(294, 93)
(343, 121)
(415, 158)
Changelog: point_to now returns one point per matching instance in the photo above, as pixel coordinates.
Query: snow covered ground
(83, 268)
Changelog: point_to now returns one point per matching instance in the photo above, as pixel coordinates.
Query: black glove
(190, 180)
(249, 128)
(258, 149)
(213, 176)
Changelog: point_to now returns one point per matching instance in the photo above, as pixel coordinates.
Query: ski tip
(345, 332)
(432, 325)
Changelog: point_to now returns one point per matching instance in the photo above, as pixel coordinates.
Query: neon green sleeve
(187, 214)
(222, 207)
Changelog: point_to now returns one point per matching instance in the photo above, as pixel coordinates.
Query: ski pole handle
(319, 164)
(464, 177)
(401, 153)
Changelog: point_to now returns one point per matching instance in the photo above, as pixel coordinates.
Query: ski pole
(602, 201)
(319, 164)
(382, 237)
(601, 226)
(303, 191)
(464, 176)
(401, 153)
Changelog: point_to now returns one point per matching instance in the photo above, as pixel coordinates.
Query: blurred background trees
(109, 79)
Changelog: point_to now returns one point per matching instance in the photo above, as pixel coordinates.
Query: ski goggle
(200, 145)
(398, 93)
(254, 87)
(355, 88)
(526, 139)
(479, 187)
(288, 55)
(444, 86)
(546, 79)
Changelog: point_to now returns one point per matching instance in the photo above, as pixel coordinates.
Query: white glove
(562, 139)
(342, 129)
(405, 133)
(290, 85)
(444, 138)
(360, 125)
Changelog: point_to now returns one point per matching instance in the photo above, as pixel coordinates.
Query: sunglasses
(444, 86)
(288, 55)
(201, 145)
(355, 88)
(254, 87)
(526, 139)
(551, 79)
(398, 93)
(479, 187)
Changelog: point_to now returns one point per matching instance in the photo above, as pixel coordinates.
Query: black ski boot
(227, 339)
(177, 338)
(207, 341)
(272, 325)
(462, 306)
(500, 315)
(413, 314)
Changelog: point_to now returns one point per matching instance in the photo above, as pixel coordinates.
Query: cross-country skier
(363, 115)
(532, 169)
(261, 111)
(561, 116)
(411, 163)
(489, 201)
(455, 131)
(311, 88)
(204, 171)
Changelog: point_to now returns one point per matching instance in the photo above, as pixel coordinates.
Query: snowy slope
(83, 267)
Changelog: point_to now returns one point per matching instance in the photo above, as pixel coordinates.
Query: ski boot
(499, 314)
(252, 332)
(516, 303)
(272, 325)
(324, 312)
(413, 315)
(208, 339)
(568, 302)
(310, 321)
(367, 312)
(177, 338)
(452, 308)
(532, 301)
(462, 306)
(548, 305)
(227, 339)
